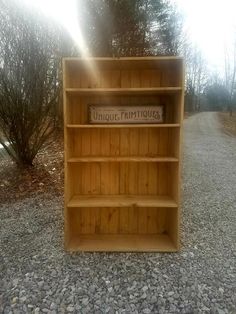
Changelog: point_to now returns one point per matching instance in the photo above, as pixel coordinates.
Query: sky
(210, 24)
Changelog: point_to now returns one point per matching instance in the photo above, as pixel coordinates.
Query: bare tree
(29, 82)
(230, 75)
(196, 77)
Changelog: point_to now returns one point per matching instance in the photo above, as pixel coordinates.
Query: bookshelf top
(125, 62)
(152, 58)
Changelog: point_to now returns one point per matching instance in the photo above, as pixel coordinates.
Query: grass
(228, 122)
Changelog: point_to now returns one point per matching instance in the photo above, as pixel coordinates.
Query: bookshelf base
(122, 243)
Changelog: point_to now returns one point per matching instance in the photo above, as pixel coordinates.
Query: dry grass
(228, 123)
(188, 114)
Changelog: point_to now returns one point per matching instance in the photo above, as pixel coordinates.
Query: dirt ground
(47, 175)
(229, 123)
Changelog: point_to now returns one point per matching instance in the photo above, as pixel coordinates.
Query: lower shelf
(121, 201)
(122, 243)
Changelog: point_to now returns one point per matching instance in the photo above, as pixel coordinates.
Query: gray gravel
(37, 276)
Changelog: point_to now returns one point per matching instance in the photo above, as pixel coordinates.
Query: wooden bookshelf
(122, 181)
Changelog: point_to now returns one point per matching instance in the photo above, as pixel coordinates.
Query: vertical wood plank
(161, 219)
(86, 226)
(153, 140)
(85, 142)
(152, 221)
(82, 110)
(135, 80)
(124, 220)
(145, 78)
(142, 220)
(109, 220)
(84, 80)
(76, 177)
(133, 220)
(125, 78)
(128, 220)
(105, 178)
(75, 76)
(163, 141)
(95, 178)
(124, 178)
(105, 142)
(95, 142)
(124, 142)
(95, 78)
(133, 142)
(133, 178)
(163, 179)
(76, 149)
(155, 78)
(143, 142)
(85, 178)
(114, 182)
(114, 142)
(143, 184)
(115, 79)
(95, 220)
(106, 76)
(152, 178)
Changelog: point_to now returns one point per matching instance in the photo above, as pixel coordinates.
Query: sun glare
(64, 12)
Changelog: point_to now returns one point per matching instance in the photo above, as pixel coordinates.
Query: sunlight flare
(65, 13)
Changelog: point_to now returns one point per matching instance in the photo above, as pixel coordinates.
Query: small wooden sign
(125, 114)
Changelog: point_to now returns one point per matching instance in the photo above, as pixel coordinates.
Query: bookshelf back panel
(152, 142)
(77, 106)
(121, 220)
(123, 74)
(134, 178)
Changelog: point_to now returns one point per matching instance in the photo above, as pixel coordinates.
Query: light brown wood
(122, 243)
(112, 126)
(122, 181)
(123, 91)
(123, 159)
(121, 201)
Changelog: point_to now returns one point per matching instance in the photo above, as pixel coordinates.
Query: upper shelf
(125, 62)
(124, 91)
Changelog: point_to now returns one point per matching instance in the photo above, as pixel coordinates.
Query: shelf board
(122, 243)
(121, 201)
(122, 159)
(164, 125)
(117, 59)
(92, 64)
(124, 91)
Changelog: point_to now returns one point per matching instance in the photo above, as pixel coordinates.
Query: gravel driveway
(37, 276)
